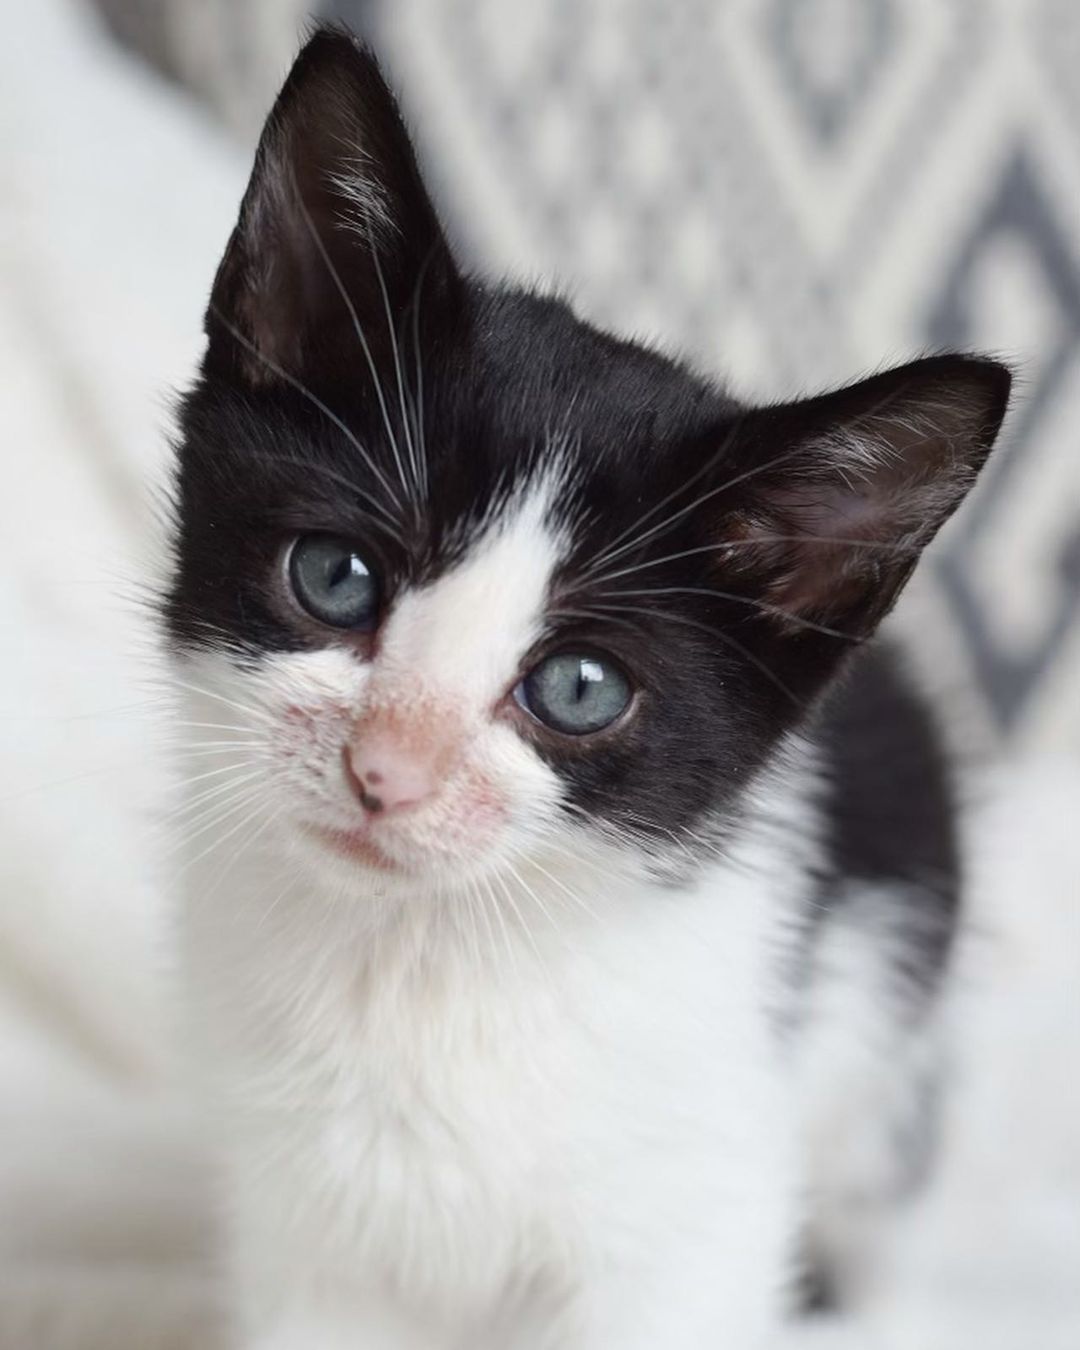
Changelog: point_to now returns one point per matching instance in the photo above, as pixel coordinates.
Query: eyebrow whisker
(362, 336)
(763, 606)
(312, 398)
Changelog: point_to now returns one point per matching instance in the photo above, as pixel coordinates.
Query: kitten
(567, 901)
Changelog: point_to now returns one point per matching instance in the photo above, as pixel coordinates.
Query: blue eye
(333, 583)
(574, 693)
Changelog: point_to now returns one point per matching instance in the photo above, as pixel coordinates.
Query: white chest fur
(451, 1108)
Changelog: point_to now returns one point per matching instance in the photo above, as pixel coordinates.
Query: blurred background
(792, 192)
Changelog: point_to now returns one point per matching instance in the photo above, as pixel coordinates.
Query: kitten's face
(469, 583)
(479, 674)
(409, 730)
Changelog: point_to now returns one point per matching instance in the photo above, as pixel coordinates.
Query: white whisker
(264, 917)
(609, 555)
(496, 909)
(571, 895)
(347, 298)
(214, 726)
(484, 914)
(215, 773)
(534, 896)
(260, 713)
(418, 397)
(631, 533)
(205, 804)
(392, 334)
(383, 521)
(763, 606)
(222, 812)
(507, 891)
(241, 848)
(314, 399)
(260, 802)
(207, 749)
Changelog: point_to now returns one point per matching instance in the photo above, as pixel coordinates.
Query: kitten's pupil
(346, 567)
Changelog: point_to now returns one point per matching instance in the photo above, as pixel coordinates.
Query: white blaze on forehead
(469, 629)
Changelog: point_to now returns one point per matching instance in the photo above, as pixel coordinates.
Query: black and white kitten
(567, 903)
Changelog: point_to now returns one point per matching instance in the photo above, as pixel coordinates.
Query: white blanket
(115, 200)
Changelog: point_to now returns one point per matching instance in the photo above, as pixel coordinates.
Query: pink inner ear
(820, 573)
(836, 510)
(874, 471)
(823, 547)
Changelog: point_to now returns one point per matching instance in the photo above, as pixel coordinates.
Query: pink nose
(386, 776)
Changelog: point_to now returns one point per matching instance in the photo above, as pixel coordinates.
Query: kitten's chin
(391, 867)
(355, 846)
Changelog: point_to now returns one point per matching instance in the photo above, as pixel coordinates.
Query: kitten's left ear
(336, 227)
(843, 492)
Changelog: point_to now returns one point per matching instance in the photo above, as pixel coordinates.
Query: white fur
(519, 1095)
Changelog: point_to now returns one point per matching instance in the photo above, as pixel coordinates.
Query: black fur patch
(891, 813)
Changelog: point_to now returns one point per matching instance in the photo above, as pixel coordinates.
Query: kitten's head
(464, 579)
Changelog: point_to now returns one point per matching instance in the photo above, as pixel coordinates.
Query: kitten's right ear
(336, 230)
(844, 491)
